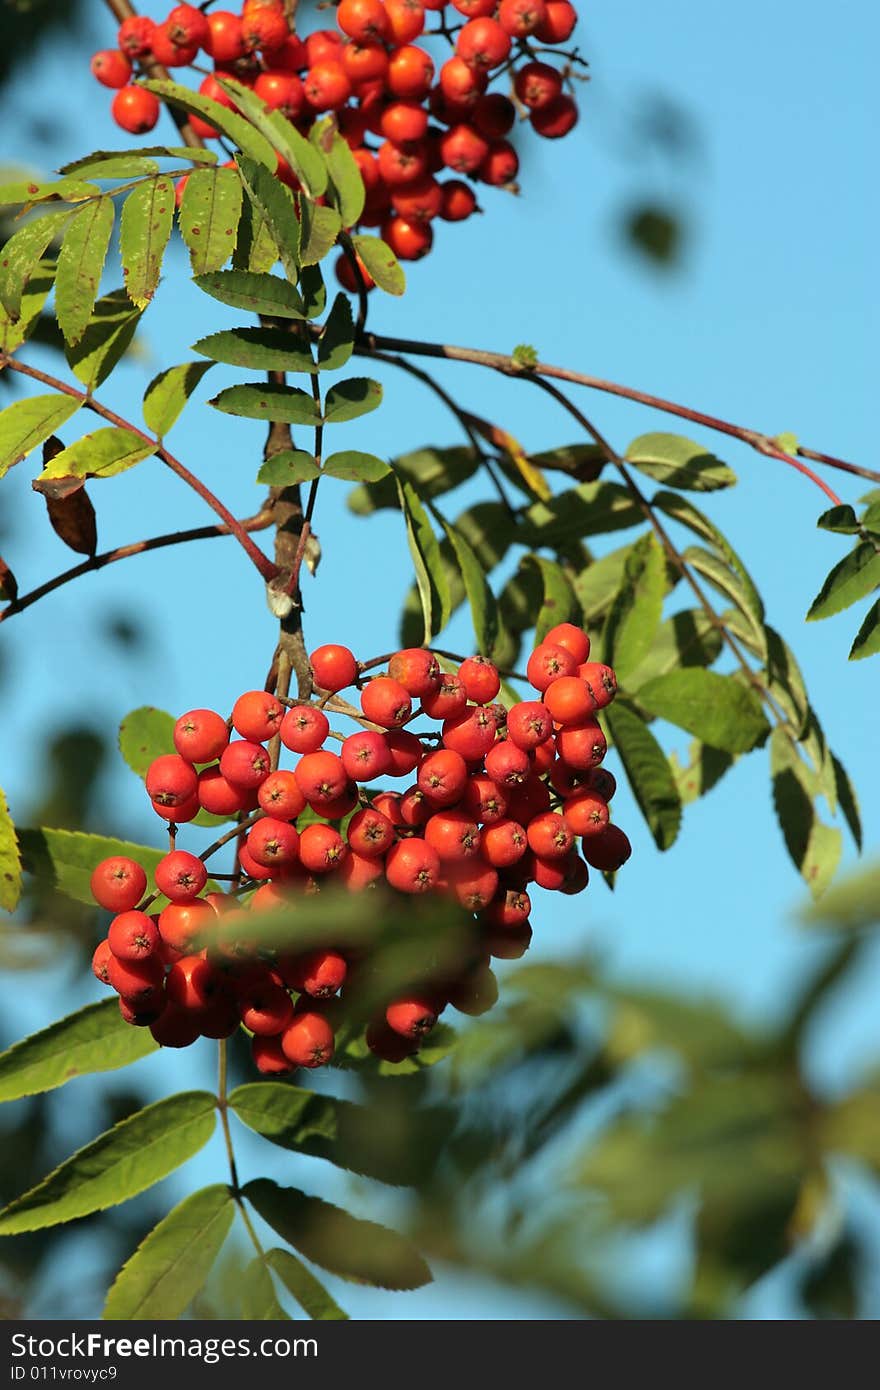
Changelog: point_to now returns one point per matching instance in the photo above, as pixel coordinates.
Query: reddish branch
(501, 362)
(262, 562)
(260, 522)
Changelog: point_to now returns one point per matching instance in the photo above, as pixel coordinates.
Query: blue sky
(771, 322)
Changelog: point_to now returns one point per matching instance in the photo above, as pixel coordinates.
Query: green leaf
(350, 399)
(144, 228)
(814, 847)
(597, 584)
(867, 640)
(381, 262)
(101, 454)
(850, 905)
(21, 256)
(15, 331)
(361, 1251)
(346, 187)
(141, 157)
(634, 617)
(320, 228)
(288, 467)
(559, 604)
(483, 605)
(648, 773)
(308, 1291)
(110, 331)
(431, 471)
(849, 802)
(688, 638)
(168, 393)
(119, 1164)
(255, 248)
(336, 342)
(728, 583)
(263, 349)
(275, 202)
(719, 710)
(268, 401)
(259, 1302)
(281, 135)
(686, 514)
(841, 519)
(112, 164)
(785, 681)
(210, 210)
(704, 769)
(427, 563)
(323, 1127)
(171, 1264)
(10, 860)
(144, 734)
(587, 510)
(67, 858)
(91, 1040)
(313, 290)
(583, 461)
(678, 462)
(355, 467)
(26, 423)
(258, 293)
(230, 123)
(35, 191)
(855, 576)
(80, 266)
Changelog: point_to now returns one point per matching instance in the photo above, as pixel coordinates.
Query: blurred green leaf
(716, 709)
(91, 1040)
(171, 1264)
(10, 860)
(678, 462)
(309, 1293)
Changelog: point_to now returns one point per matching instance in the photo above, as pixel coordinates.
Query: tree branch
(262, 563)
(500, 362)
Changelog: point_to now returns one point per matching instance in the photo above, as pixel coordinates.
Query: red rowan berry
(190, 25)
(268, 1056)
(249, 864)
(507, 765)
(273, 843)
(473, 9)
(111, 68)
(483, 43)
(459, 201)
(577, 875)
(474, 883)
(321, 849)
(461, 84)
(550, 836)
(406, 20)
(547, 663)
(447, 701)
(412, 866)
(601, 680)
(370, 833)
(519, 18)
(555, 119)
(257, 715)
(484, 799)
(454, 835)
(304, 728)
(509, 908)
(572, 638)
(290, 56)
(138, 981)
(118, 883)
(265, 1009)
(608, 851)
(193, 983)
(175, 1027)
(501, 165)
(271, 896)
(409, 240)
(219, 1019)
(470, 733)
(101, 960)
(417, 670)
(475, 992)
(569, 699)
(410, 72)
(387, 1045)
(504, 843)
(544, 756)
(411, 1017)
(327, 87)
(180, 876)
(419, 202)
(168, 51)
(401, 165)
(528, 724)
(179, 815)
(135, 109)
(365, 756)
(480, 678)
(406, 752)
(586, 813)
(530, 799)
(219, 796)
(359, 871)
(443, 776)
(333, 667)
(325, 45)
(463, 149)
(320, 974)
(582, 745)
(415, 809)
(142, 1015)
(364, 20)
(363, 63)
(263, 27)
(602, 782)
(558, 23)
(181, 923)
(281, 796)
(388, 804)
(200, 735)
(511, 943)
(170, 781)
(245, 764)
(135, 36)
(386, 702)
(225, 42)
(321, 777)
(133, 936)
(340, 805)
(308, 1040)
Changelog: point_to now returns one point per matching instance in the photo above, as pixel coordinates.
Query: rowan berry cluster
(496, 800)
(405, 120)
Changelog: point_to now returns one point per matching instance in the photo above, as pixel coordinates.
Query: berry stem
(239, 827)
(259, 522)
(371, 343)
(223, 1111)
(261, 562)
